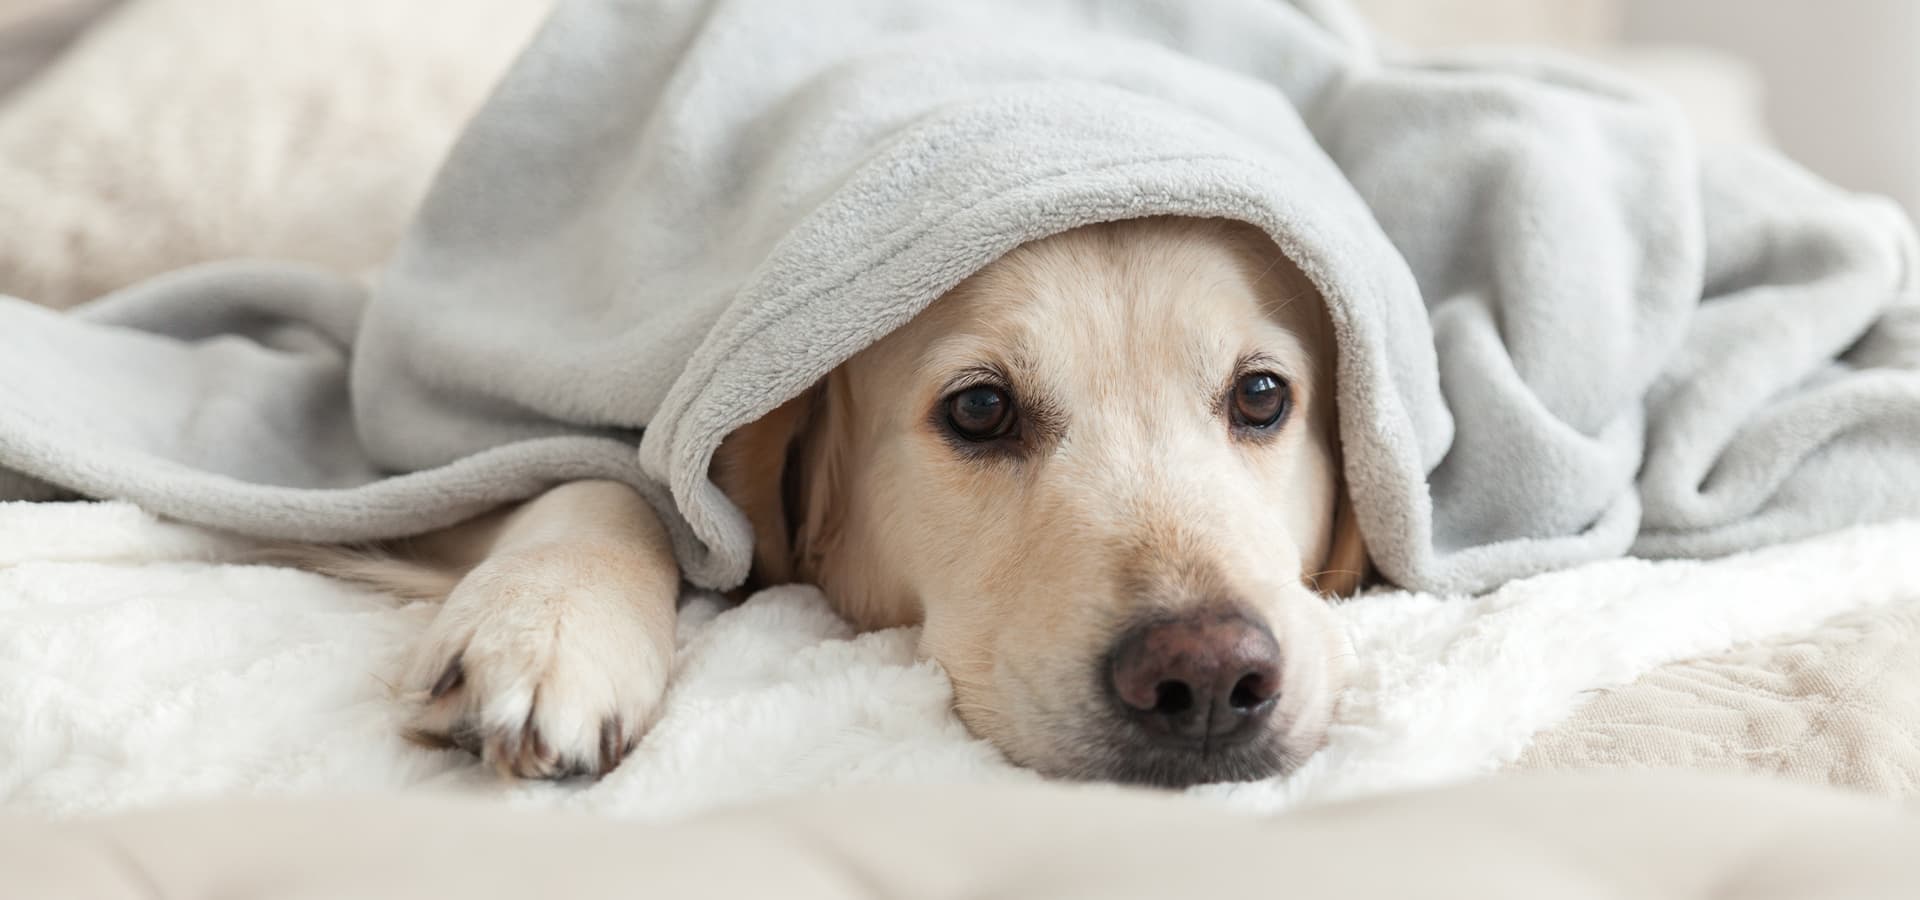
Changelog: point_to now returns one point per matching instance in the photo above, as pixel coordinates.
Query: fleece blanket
(139, 665)
(1563, 334)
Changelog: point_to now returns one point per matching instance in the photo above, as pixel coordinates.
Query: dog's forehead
(1127, 275)
(1180, 304)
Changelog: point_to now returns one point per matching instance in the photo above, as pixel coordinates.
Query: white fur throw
(135, 668)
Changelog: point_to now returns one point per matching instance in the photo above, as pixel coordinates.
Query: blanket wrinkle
(1565, 332)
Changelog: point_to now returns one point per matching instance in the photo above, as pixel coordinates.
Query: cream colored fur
(1133, 497)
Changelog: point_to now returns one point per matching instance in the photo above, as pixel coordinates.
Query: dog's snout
(1201, 679)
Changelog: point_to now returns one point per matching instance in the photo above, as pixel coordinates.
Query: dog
(1102, 474)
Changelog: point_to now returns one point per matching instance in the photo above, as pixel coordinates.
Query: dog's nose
(1203, 678)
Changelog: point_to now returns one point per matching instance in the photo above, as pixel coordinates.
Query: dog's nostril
(1250, 691)
(1171, 698)
(1198, 677)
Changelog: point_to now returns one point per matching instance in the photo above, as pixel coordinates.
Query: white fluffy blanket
(137, 667)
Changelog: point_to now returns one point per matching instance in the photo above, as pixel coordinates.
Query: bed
(143, 662)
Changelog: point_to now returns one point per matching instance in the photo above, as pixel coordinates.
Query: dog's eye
(982, 413)
(1261, 400)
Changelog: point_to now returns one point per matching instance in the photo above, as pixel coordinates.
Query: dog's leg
(552, 653)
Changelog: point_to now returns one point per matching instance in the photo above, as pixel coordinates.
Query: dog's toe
(551, 740)
(538, 681)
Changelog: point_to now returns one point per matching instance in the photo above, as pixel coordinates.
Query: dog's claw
(448, 680)
(541, 752)
(432, 740)
(611, 744)
(522, 751)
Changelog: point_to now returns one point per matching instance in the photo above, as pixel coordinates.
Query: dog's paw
(544, 663)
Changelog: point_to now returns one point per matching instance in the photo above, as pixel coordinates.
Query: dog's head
(1103, 473)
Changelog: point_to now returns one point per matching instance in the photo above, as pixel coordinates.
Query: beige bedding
(1642, 836)
(1839, 706)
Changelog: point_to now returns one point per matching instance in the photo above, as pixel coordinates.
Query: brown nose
(1204, 678)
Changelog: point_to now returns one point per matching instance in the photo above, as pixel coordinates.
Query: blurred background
(314, 110)
(1834, 83)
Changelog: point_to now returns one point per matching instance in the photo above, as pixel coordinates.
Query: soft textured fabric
(176, 132)
(1839, 705)
(1649, 835)
(140, 664)
(197, 130)
(1563, 337)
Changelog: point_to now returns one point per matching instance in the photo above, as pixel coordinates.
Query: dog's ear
(785, 471)
(1347, 567)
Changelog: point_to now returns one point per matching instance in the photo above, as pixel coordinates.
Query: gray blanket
(1564, 335)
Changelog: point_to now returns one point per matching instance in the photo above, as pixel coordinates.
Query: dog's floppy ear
(785, 472)
(1347, 567)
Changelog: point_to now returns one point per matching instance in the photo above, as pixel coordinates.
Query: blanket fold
(1564, 334)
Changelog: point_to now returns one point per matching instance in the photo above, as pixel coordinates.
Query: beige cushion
(1643, 836)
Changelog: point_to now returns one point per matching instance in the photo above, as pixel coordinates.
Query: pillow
(182, 131)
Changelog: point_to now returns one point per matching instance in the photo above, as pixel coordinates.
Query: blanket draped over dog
(1564, 332)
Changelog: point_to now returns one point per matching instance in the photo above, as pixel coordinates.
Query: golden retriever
(1103, 475)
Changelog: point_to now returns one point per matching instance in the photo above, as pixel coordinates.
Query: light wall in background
(1842, 77)
(1572, 24)
(1834, 83)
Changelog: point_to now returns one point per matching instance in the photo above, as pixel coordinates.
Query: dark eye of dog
(980, 413)
(1261, 400)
